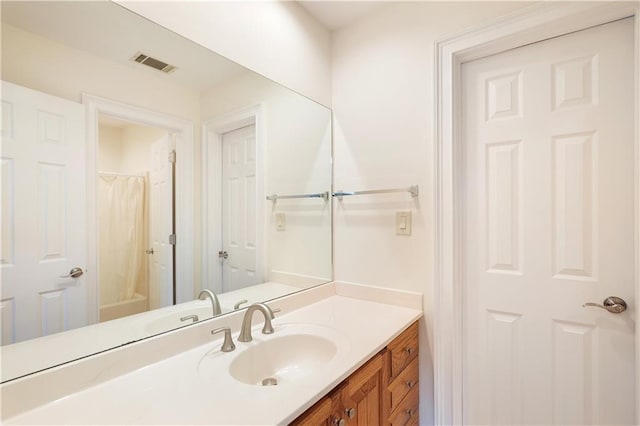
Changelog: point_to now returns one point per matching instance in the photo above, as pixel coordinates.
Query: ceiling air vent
(141, 58)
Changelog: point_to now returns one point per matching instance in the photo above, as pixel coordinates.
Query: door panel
(161, 225)
(43, 223)
(239, 233)
(549, 220)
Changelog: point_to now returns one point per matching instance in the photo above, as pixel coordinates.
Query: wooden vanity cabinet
(401, 398)
(384, 391)
(362, 394)
(357, 401)
(325, 412)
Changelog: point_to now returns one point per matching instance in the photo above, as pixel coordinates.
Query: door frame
(184, 196)
(212, 133)
(530, 25)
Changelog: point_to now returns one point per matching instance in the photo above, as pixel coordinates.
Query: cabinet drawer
(404, 383)
(403, 350)
(407, 411)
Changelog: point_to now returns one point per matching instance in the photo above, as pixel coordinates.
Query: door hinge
(172, 239)
(172, 156)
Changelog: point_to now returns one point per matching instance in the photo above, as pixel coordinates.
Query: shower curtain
(121, 246)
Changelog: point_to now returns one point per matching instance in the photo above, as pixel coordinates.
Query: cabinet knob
(409, 350)
(411, 412)
(411, 384)
(350, 412)
(339, 422)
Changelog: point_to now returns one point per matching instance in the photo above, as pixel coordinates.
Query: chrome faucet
(215, 303)
(245, 330)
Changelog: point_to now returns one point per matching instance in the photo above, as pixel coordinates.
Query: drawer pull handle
(411, 384)
(350, 412)
(411, 412)
(339, 422)
(409, 350)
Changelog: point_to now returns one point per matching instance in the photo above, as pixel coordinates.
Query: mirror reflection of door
(240, 226)
(135, 218)
(162, 213)
(43, 215)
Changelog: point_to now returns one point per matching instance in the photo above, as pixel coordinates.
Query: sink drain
(270, 381)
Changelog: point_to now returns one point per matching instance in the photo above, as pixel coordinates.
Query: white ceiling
(111, 32)
(337, 14)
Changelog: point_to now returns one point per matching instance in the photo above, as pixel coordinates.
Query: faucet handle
(227, 345)
(190, 317)
(237, 305)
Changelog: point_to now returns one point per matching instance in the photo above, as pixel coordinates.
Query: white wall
(137, 141)
(126, 149)
(279, 40)
(109, 148)
(383, 100)
(41, 64)
(297, 161)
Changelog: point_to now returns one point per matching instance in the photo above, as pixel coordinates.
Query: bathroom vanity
(384, 390)
(337, 350)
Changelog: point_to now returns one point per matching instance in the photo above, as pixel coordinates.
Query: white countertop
(194, 386)
(22, 358)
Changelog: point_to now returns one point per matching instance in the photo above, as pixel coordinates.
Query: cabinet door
(326, 412)
(361, 397)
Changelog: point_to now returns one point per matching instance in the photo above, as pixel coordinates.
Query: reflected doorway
(234, 219)
(135, 213)
(239, 254)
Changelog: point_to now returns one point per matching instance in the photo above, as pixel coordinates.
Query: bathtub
(137, 304)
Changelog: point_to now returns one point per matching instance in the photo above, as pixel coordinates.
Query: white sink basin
(294, 352)
(282, 359)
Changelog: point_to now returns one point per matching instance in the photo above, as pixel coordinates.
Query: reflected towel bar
(323, 195)
(413, 190)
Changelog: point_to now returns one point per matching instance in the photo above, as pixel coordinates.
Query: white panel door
(161, 225)
(549, 225)
(43, 214)
(239, 209)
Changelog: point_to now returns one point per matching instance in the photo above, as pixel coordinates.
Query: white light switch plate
(281, 222)
(403, 223)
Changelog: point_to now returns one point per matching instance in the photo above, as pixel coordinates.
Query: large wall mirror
(147, 184)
